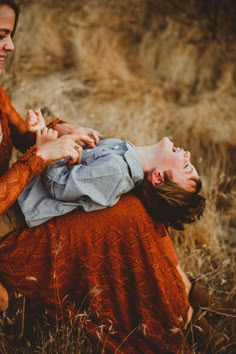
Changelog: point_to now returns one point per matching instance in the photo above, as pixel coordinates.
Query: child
(161, 175)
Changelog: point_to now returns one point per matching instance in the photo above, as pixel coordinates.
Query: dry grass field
(140, 70)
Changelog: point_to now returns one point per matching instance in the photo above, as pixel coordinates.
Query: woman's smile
(2, 60)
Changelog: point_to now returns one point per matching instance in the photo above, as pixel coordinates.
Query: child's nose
(187, 155)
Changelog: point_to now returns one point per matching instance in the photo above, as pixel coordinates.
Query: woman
(119, 251)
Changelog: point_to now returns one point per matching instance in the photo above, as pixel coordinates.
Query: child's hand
(34, 120)
(45, 135)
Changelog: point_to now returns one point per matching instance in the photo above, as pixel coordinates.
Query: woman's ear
(157, 177)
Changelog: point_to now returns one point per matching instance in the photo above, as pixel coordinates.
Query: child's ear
(157, 177)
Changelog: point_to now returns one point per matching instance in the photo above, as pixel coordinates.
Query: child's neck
(148, 156)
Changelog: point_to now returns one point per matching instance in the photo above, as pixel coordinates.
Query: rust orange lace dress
(116, 261)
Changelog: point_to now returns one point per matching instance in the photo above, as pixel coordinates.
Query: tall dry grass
(140, 70)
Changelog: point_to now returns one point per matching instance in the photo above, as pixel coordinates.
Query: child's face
(7, 21)
(176, 163)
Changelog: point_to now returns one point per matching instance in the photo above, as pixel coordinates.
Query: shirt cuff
(55, 122)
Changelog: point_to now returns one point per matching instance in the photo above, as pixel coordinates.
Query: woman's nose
(9, 45)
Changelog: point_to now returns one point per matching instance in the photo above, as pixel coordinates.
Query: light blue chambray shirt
(106, 172)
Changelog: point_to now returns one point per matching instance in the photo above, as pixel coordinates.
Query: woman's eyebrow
(5, 31)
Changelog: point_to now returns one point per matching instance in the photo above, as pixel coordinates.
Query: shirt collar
(134, 163)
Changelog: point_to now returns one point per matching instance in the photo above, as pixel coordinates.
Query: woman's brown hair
(15, 8)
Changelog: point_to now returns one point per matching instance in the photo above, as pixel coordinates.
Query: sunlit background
(139, 70)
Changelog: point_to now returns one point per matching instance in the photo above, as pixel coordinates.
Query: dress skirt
(115, 263)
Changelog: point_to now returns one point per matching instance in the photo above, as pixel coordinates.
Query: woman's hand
(58, 148)
(34, 120)
(88, 136)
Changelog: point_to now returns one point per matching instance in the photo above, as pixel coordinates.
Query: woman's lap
(116, 262)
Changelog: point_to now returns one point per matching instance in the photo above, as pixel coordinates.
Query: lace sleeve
(18, 176)
(22, 139)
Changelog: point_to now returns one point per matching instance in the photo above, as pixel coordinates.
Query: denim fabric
(105, 173)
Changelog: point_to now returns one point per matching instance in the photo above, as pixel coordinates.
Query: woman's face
(7, 21)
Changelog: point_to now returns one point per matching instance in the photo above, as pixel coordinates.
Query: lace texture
(115, 262)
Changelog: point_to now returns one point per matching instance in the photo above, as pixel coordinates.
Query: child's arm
(35, 123)
(88, 136)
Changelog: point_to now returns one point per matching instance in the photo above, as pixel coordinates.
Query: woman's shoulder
(2, 92)
(6, 105)
(3, 97)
